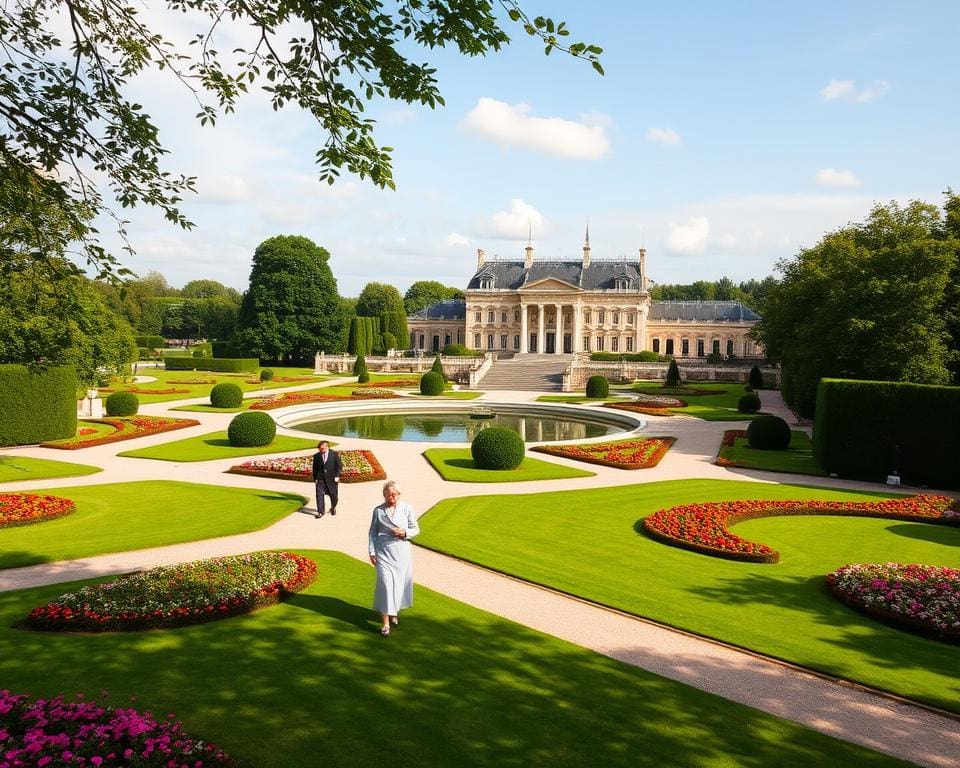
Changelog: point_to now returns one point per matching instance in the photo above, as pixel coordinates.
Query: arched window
(656, 346)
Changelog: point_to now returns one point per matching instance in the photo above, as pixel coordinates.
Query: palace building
(583, 305)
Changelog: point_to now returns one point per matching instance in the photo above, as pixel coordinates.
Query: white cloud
(222, 189)
(689, 237)
(666, 136)
(456, 239)
(516, 223)
(847, 90)
(513, 125)
(831, 177)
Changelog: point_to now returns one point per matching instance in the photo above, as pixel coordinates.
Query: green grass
(779, 610)
(797, 458)
(721, 406)
(14, 468)
(309, 683)
(119, 517)
(579, 399)
(203, 390)
(457, 465)
(215, 445)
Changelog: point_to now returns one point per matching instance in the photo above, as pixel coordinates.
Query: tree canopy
(866, 302)
(291, 310)
(423, 293)
(377, 298)
(68, 129)
(750, 293)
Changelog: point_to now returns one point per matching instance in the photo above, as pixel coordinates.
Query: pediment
(551, 284)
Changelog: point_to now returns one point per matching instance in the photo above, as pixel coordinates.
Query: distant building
(583, 305)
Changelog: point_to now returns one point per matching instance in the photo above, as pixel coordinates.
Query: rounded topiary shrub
(363, 378)
(437, 367)
(122, 404)
(199, 353)
(226, 396)
(253, 428)
(598, 386)
(749, 403)
(497, 448)
(266, 374)
(431, 383)
(756, 377)
(769, 433)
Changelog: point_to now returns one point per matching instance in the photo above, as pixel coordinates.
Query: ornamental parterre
(638, 453)
(178, 595)
(919, 597)
(296, 398)
(55, 732)
(358, 467)
(653, 406)
(125, 428)
(27, 508)
(705, 527)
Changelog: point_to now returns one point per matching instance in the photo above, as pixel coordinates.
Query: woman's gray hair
(391, 484)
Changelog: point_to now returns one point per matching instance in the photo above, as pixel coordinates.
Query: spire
(586, 246)
(528, 260)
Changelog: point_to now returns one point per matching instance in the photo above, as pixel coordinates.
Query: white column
(558, 332)
(541, 331)
(524, 340)
(577, 327)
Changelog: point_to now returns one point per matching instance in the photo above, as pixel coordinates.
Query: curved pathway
(846, 711)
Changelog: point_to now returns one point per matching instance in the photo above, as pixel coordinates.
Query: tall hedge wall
(363, 335)
(216, 364)
(37, 406)
(866, 429)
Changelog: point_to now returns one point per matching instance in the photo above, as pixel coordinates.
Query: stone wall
(580, 370)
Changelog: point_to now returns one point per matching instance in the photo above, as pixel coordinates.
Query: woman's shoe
(384, 631)
(394, 620)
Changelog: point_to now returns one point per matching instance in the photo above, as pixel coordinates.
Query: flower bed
(919, 597)
(375, 392)
(649, 407)
(284, 379)
(297, 398)
(357, 467)
(638, 453)
(729, 440)
(55, 732)
(392, 384)
(27, 508)
(191, 381)
(125, 428)
(178, 595)
(140, 391)
(705, 527)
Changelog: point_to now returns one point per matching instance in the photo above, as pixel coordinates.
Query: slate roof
(702, 311)
(449, 309)
(599, 275)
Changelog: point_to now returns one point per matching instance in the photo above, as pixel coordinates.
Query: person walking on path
(392, 526)
(326, 476)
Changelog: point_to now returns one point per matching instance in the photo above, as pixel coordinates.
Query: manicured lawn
(13, 468)
(721, 406)
(118, 517)
(167, 380)
(457, 465)
(578, 399)
(780, 610)
(216, 446)
(797, 458)
(309, 683)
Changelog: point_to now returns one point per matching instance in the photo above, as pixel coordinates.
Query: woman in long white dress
(392, 526)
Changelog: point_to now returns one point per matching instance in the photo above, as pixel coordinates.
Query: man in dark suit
(326, 476)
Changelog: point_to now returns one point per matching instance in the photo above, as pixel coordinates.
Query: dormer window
(622, 284)
(486, 282)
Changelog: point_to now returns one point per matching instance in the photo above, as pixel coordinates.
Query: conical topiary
(438, 367)
(359, 365)
(673, 375)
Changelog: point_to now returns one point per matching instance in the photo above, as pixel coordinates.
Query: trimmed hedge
(253, 428)
(35, 407)
(867, 429)
(364, 377)
(217, 364)
(644, 356)
(749, 403)
(360, 365)
(756, 377)
(122, 404)
(769, 433)
(151, 341)
(459, 350)
(497, 448)
(431, 383)
(226, 395)
(598, 386)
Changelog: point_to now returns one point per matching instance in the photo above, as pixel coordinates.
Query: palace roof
(449, 309)
(702, 311)
(599, 275)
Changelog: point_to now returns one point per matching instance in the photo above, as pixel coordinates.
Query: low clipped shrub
(598, 386)
(459, 350)
(226, 395)
(144, 354)
(437, 367)
(749, 403)
(250, 429)
(363, 378)
(756, 377)
(37, 405)
(714, 358)
(497, 448)
(266, 374)
(122, 404)
(431, 383)
(199, 353)
(769, 433)
(643, 356)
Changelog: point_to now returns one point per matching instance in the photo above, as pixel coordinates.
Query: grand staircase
(530, 373)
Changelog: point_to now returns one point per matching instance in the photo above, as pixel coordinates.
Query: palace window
(586, 343)
(503, 317)
(478, 316)
(629, 318)
(516, 341)
(623, 284)
(629, 343)
(616, 318)
(486, 283)
(700, 348)
(600, 315)
(491, 316)
(656, 346)
(599, 343)
(669, 349)
(446, 339)
(615, 344)
(420, 345)
(503, 341)
(476, 341)
(716, 346)
(685, 347)
(729, 347)
(516, 315)
(489, 341)
(586, 317)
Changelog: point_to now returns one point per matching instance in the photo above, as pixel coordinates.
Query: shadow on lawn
(937, 534)
(451, 686)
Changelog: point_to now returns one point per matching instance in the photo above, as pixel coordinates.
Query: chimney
(528, 259)
(481, 257)
(643, 269)
(586, 248)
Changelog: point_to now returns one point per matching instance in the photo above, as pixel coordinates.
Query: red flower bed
(358, 467)
(178, 595)
(705, 527)
(139, 391)
(27, 508)
(296, 398)
(393, 384)
(191, 381)
(639, 453)
(125, 428)
(919, 597)
(288, 379)
(649, 410)
(55, 732)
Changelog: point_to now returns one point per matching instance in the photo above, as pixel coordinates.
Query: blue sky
(724, 136)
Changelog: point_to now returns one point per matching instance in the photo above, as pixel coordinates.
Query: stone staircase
(532, 373)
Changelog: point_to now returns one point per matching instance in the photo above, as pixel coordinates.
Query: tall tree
(865, 303)
(377, 298)
(423, 293)
(209, 289)
(72, 120)
(291, 310)
(951, 296)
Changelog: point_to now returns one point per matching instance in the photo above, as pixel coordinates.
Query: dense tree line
(750, 293)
